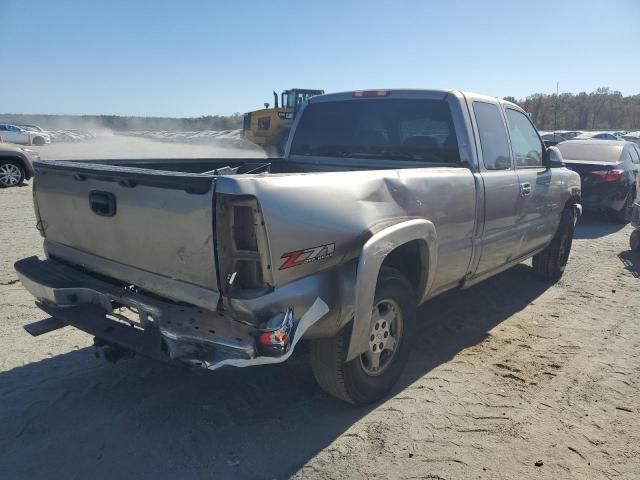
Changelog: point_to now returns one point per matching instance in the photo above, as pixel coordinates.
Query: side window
(527, 148)
(493, 136)
(635, 154)
(264, 123)
(3, 128)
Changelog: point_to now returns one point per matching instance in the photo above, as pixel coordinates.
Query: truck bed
(159, 229)
(191, 174)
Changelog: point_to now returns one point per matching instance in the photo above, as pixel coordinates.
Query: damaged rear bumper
(158, 329)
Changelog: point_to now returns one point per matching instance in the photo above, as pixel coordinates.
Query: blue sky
(191, 58)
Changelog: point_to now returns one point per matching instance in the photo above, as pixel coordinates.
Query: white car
(36, 129)
(14, 134)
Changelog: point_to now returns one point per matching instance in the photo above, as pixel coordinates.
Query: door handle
(525, 189)
(102, 203)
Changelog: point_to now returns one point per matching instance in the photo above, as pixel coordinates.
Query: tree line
(600, 110)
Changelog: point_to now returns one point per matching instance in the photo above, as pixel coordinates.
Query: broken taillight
(275, 339)
(608, 175)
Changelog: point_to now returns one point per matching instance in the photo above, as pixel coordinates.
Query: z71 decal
(308, 255)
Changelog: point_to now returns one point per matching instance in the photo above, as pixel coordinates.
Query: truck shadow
(631, 261)
(82, 418)
(596, 225)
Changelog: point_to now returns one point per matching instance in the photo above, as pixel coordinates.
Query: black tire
(349, 381)
(11, 173)
(39, 141)
(634, 241)
(623, 215)
(551, 262)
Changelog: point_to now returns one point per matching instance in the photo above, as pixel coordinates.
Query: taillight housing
(608, 175)
(241, 240)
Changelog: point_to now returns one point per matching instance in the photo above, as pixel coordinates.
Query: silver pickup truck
(383, 200)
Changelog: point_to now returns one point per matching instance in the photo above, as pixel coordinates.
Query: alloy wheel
(384, 337)
(10, 175)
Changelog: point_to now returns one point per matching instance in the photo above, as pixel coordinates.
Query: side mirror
(552, 158)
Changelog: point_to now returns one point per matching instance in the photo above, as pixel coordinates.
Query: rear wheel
(624, 214)
(370, 376)
(11, 173)
(38, 141)
(551, 262)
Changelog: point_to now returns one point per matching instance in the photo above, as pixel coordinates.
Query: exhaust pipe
(275, 99)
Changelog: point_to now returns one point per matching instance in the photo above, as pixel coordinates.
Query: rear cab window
(384, 128)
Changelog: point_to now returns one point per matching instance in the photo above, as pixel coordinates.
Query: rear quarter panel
(346, 208)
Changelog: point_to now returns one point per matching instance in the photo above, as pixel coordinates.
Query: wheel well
(410, 259)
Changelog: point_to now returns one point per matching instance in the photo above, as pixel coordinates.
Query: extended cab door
(540, 197)
(498, 239)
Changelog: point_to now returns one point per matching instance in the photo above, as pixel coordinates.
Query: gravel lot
(506, 374)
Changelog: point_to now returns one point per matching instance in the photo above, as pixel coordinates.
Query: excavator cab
(269, 127)
(297, 96)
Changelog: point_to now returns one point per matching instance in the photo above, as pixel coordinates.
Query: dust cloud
(115, 146)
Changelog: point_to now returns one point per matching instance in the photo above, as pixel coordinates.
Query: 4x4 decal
(308, 255)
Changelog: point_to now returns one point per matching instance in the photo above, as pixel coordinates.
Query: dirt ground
(505, 374)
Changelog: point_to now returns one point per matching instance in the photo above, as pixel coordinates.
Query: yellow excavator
(269, 127)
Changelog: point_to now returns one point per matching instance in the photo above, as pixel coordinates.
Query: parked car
(383, 200)
(610, 173)
(568, 134)
(15, 134)
(551, 139)
(73, 135)
(633, 137)
(15, 164)
(37, 129)
(595, 136)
